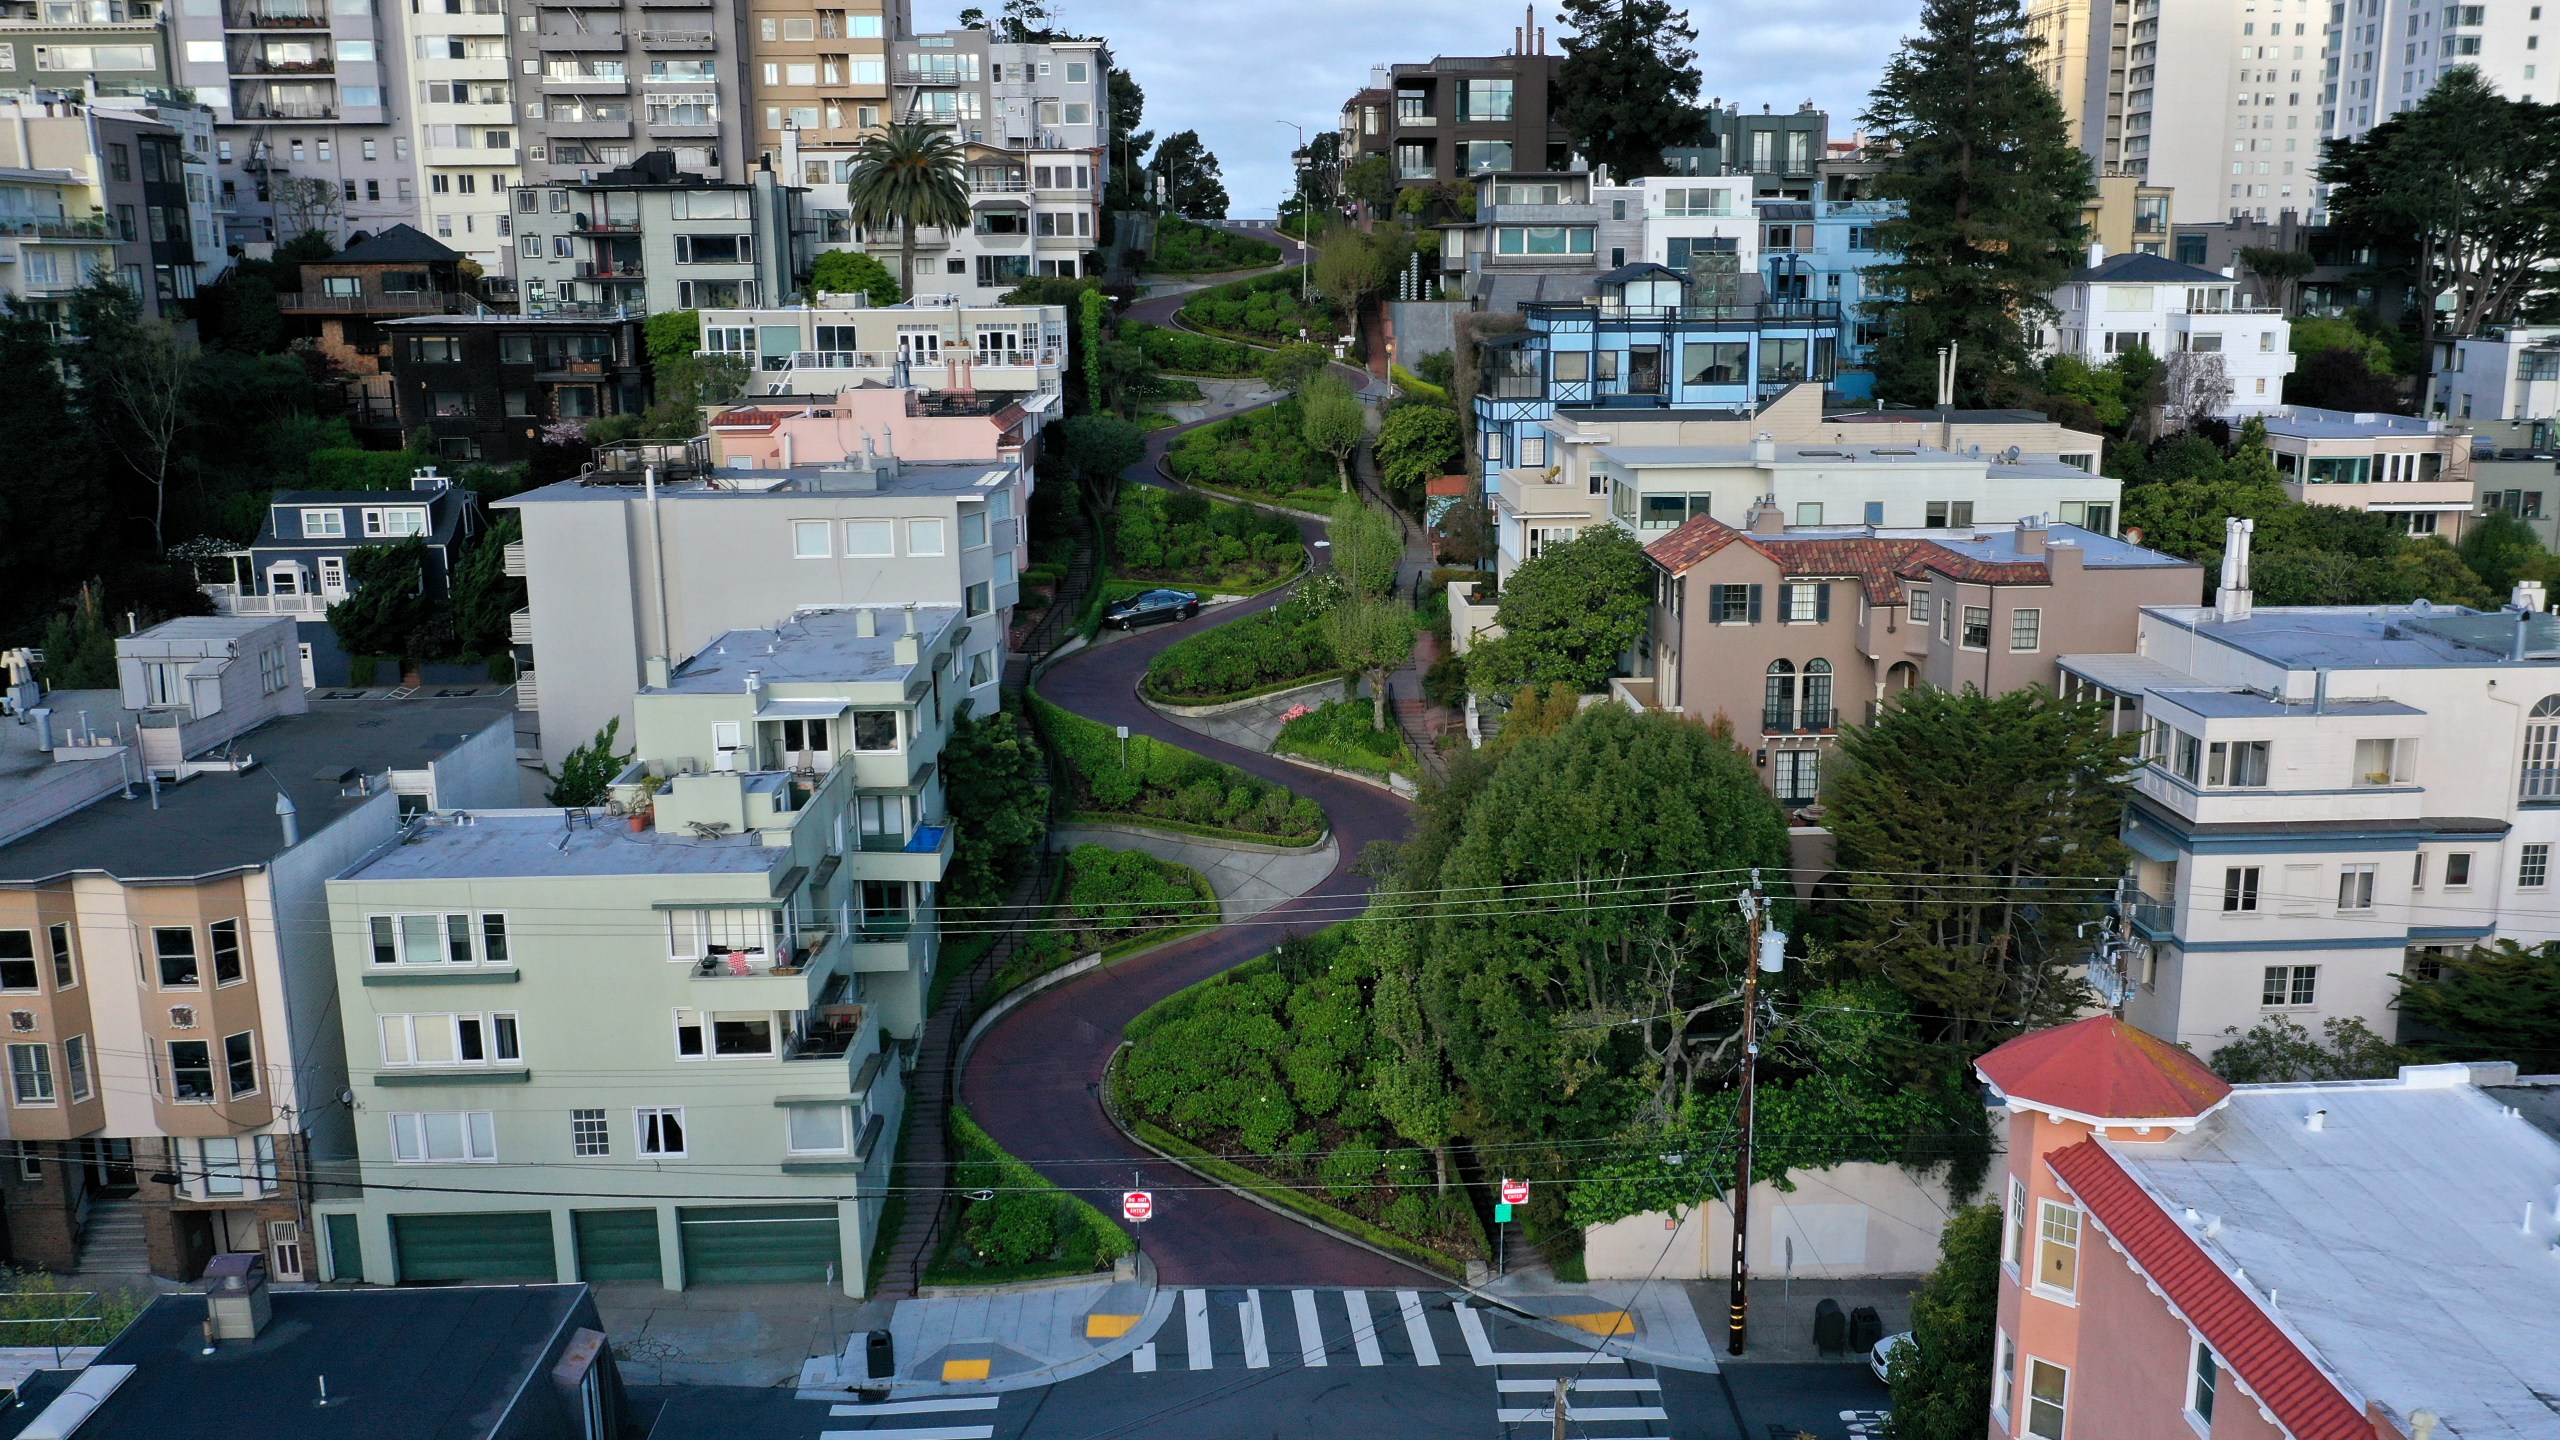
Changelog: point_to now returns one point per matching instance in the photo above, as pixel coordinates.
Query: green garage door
(618, 1245)
(758, 1244)
(515, 1245)
(346, 1247)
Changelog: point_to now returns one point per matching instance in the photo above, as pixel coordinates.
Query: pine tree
(1979, 154)
(1629, 83)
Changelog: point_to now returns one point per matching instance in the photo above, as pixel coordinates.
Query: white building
(466, 136)
(2506, 384)
(2385, 55)
(2124, 302)
(2329, 795)
(1687, 219)
(2221, 103)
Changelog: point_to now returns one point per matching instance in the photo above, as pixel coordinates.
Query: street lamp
(1301, 167)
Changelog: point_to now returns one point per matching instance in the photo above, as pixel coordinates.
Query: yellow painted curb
(965, 1369)
(1108, 1327)
(1601, 1322)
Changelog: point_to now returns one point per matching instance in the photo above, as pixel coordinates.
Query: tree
(1976, 149)
(1466, 528)
(2277, 269)
(1354, 267)
(1317, 183)
(1365, 545)
(1373, 638)
(907, 176)
(851, 272)
(998, 796)
(1022, 22)
(1629, 83)
(2501, 550)
(2100, 388)
(1128, 143)
(2199, 388)
(671, 335)
(587, 773)
(1568, 615)
(133, 381)
(53, 515)
(1295, 365)
(485, 596)
(80, 645)
(1974, 835)
(1335, 424)
(1941, 1381)
(386, 611)
(1192, 188)
(2342, 379)
(1418, 444)
(2492, 1002)
(2278, 1052)
(2463, 183)
(306, 205)
(1371, 180)
(1098, 450)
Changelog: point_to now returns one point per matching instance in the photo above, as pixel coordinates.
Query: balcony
(520, 628)
(53, 227)
(572, 41)
(513, 563)
(580, 4)
(261, 65)
(747, 981)
(828, 1033)
(276, 15)
(605, 224)
(676, 40)
(888, 945)
(615, 84)
(1574, 214)
(231, 600)
(594, 130)
(921, 856)
(1810, 720)
(607, 270)
(283, 110)
(688, 129)
(527, 697)
(391, 302)
(2151, 917)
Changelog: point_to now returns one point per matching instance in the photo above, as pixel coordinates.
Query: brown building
(1788, 634)
(399, 273)
(1456, 116)
(822, 72)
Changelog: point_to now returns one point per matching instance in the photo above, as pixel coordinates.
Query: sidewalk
(1008, 1341)
(1649, 1321)
(726, 1334)
(1247, 881)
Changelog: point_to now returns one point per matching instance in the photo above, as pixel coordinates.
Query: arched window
(1778, 703)
(2541, 778)
(1817, 695)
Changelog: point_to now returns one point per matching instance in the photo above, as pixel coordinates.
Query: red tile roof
(1880, 565)
(2104, 1069)
(2269, 1361)
(1695, 541)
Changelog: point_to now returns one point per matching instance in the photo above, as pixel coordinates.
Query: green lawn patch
(1338, 733)
(1183, 248)
(1158, 783)
(1111, 901)
(1280, 647)
(1029, 1229)
(1166, 536)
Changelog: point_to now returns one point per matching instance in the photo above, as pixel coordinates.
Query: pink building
(2359, 1260)
(917, 426)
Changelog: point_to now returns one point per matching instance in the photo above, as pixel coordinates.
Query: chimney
(43, 716)
(656, 671)
(235, 1296)
(2061, 557)
(1766, 518)
(866, 624)
(755, 685)
(2097, 254)
(289, 818)
(2231, 597)
(1764, 449)
(2031, 536)
(904, 649)
(2529, 597)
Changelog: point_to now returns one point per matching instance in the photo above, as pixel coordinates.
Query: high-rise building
(2080, 53)
(651, 236)
(105, 187)
(2221, 105)
(823, 74)
(619, 78)
(466, 136)
(2385, 55)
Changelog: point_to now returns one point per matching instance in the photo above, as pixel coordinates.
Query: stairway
(112, 1242)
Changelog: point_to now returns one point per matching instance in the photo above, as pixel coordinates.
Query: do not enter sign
(1137, 1204)
(1515, 1192)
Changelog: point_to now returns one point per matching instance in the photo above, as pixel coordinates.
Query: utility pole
(1766, 951)
(1304, 219)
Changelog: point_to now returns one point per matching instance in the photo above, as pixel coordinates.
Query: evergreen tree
(1977, 150)
(2495, 1002)
(1942, 1380)
(485, 596)
(1193, 189)
(387, 611)
(1568, 614)
(1629, 83)
(850, 272)
(999, 800)
(585, 776)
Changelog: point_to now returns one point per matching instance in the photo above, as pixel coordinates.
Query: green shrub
(1339, 733)
(1261, 452)
(1171, 535)
(1183, 248)
(1028, 1229)
(1445, 683)
(1277, 647)
(362, 670)
(1011, 1229)
(1185, 353)
(1156, 775)
(1265, 308)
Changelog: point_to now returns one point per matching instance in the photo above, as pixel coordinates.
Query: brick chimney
(1766, 518)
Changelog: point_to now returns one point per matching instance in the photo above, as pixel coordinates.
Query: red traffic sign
(1515, 1192)
(1137, 1204)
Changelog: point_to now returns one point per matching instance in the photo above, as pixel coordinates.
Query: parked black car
(1149, 607)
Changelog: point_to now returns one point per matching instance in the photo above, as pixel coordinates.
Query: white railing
(527, 698)
(514, 561)
(228, 600)
(520, 628)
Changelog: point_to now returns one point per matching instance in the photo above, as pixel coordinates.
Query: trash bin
(1830, 1328)
(879, 1356)
(1865, 1329)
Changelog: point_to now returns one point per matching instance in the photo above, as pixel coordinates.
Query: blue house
(298, 564)
(1640, 344)
(1820, 250)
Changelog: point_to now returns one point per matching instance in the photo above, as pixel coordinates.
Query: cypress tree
(1629, 84)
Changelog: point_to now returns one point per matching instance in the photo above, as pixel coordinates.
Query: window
(1805, 604)
(2383, 762)
(1778, 698)
(1977, 627)
(240, 1063)
(2240, 890)
(2013, 1244)
(973, 529)
(587, 1133)
(818, 1129)
(2355, 887)
(2026, 630)
(18, 960)
(2048, 1399)
(1919, 598)
(2284, 985)
(227, 967)
(977, 599)
(2240, 763)
(2057, 1249)
(2533, 867)
(1950, 514)
(2541, 771)
(1799, 776)
(2457, 871)
(66, 972)
(493, 939)
(175, 946)
(870, 539)
(31, 1074)
(75, 1064)
(1733, 604)
(190, 1070)
(875, 732)
(444, 1137)
(437, 939)
(2006, 1386)
(2203, 1375)
(218, 1163)
(924, 537)
(809, 540)
(2188, 750)
(1809, 512)
(661, 1131)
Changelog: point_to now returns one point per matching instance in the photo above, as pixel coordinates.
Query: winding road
(1034, 1080)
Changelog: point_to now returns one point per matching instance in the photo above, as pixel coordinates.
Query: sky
(1233, 69)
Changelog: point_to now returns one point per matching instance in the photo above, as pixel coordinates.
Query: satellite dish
(2421, 609)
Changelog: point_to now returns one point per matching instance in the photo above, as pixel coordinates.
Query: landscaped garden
(1025, 1228)
(1273, 650)
(1181, 352)
(1148, 782)
(1183, 248)
(1107, 901)
(1263, 454)
(1265, 310)
(1339, 733)
(1168, 537)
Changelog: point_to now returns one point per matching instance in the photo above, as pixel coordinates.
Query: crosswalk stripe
(1310, 1332)
(1364, 1330)
(927, 1432)
(919, 1407)
(1594, 1385)
(1195, 1327)
(1542, 1414)
(1142, 1361)
(1481, 1350)
(1257, 1348)
(1424, 1351)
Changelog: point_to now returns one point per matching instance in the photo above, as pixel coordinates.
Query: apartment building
(933, 344)
(1544, 237)
(618, 79)
(2385, 55)
(1456, 116)
(823, 75)
(653, 236)
(1789, 633)
(2411, 469)
(117, 46)
(925, 425)
(2504, 382)
(2129, 216)
(1780, 151)
(467, 128)
(2183, 1257)
(653, 555)
(129, 211)
(483, 386)
(312, 112)
(1641, 342)
(174, 1061)
(53, 240)
(2344, 269)
(2222, 104)
(2080, 54)
(2185, 315)
(2328, 795)
(708, 988)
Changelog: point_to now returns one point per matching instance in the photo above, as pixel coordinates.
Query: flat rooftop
(911, 480)
(74, 711)
(560, 845)
(2389, 1237)
(2310, 422)
(2097, 552)
(402, 1364)
(2376, 637)
(1643, 457)
(815, 647)
(220, 822)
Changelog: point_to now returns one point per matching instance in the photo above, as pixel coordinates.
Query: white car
(1881, 1357)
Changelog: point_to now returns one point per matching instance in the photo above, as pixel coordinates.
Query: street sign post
(1137, 1205)
(1515, 1192)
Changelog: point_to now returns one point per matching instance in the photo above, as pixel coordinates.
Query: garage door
(758, 1244)
(618, 1245)
(514, 1245)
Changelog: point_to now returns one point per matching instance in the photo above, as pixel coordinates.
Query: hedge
(1338, 733)
(1169, 535)
(1029, 1229)
(1111, 901)
(1167, 782)
(1279, 647)
(1264, 309)
(1181, 352)
(1260, 452)
(1415, 385)
(1183, 248)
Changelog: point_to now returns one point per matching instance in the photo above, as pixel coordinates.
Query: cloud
(1233, 69)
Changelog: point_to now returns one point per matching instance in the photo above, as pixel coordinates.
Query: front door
(111, 1167)
(333, 577)
(284, 1249)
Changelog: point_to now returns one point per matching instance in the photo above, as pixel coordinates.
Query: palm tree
(908, 175)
